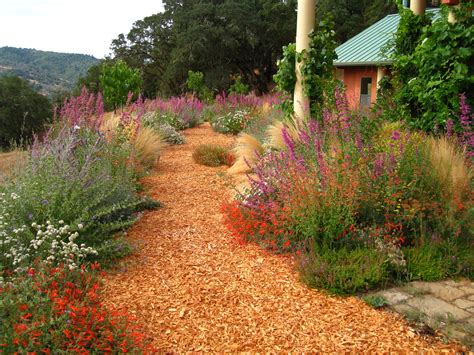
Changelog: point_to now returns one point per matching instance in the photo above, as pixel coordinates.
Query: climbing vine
(316, 71)
(432, 65)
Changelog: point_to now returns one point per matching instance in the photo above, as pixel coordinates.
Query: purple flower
(290, 144)
(379, 164)
(395, 135)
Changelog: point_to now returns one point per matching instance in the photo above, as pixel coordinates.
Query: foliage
(331, 191)
(353, 17)
(90, 80)
(316, 70)
(49, 71)
(344, 271)
(170, 134)
(238, 87)
(232, 122)
(55, 310)
(212, 155)
(76, 176)
(375, 301)
(285, 78)
(196, 84)
(432, 66)
(220, 39)
(117, 81)
(23, 111)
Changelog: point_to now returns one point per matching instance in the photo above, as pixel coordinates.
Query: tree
(117, 81)
(91, 80)
(351, 17)
(222, 39)
(22, 111)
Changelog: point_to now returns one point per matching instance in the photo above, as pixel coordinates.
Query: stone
(439, 289)
(468, 289)
(435, 307)
(403, 309)
(394, 296)
(464, 303)
(471, 310)
(471, 298)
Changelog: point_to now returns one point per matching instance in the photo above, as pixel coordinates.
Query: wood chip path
(193, 289)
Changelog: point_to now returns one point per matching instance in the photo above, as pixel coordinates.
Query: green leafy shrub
(197, 85)
(117, 81)
(432, 67)
(170, 134)
(426, 263)
(238, 87)
(212, 155)
(344, 271)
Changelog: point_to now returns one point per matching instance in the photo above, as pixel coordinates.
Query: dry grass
(450, 167)
(11, 162)
(147, 146)
(246, 151)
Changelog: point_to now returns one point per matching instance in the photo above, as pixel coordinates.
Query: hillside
(47, 71)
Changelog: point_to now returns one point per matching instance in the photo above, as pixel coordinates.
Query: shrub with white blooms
(54, 244)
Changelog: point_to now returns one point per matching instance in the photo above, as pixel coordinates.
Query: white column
(380, 75)
(418, 6)
(305, 24)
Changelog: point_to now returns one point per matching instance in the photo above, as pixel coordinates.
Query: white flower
(76, 127)
(80, 226)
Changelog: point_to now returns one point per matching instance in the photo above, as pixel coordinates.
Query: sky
(70, 26)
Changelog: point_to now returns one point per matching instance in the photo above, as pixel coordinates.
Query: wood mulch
(193, 289)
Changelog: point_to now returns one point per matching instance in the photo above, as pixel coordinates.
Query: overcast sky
(71, 26)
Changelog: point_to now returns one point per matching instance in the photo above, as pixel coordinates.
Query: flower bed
(64, 210)
(361, 207)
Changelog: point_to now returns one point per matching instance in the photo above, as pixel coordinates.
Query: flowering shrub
(331, 191)
(231, 122)
(62, 211)
(77, 189)
(179, 112)
(54, 310)
(19, 247)
(234, 113)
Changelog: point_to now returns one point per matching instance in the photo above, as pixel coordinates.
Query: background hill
(48, 72)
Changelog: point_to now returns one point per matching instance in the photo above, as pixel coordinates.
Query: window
(365, 91)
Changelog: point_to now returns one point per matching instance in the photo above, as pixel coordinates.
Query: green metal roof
(366, 47)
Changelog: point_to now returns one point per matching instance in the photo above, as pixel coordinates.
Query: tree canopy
(22, 111)
(222, 39)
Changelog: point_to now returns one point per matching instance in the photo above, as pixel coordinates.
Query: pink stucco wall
(352, 78)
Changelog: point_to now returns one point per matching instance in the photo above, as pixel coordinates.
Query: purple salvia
(379, 164)
(449, 128)
(466, 124)
(289, 143)
(358, 143)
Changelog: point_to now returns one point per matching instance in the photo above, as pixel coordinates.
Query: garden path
(193, 289)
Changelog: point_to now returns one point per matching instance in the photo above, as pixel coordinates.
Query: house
(364, 59)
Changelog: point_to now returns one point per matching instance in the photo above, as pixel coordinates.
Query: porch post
(305, 24)
(418, 6)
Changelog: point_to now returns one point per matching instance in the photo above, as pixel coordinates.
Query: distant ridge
(46, 71)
